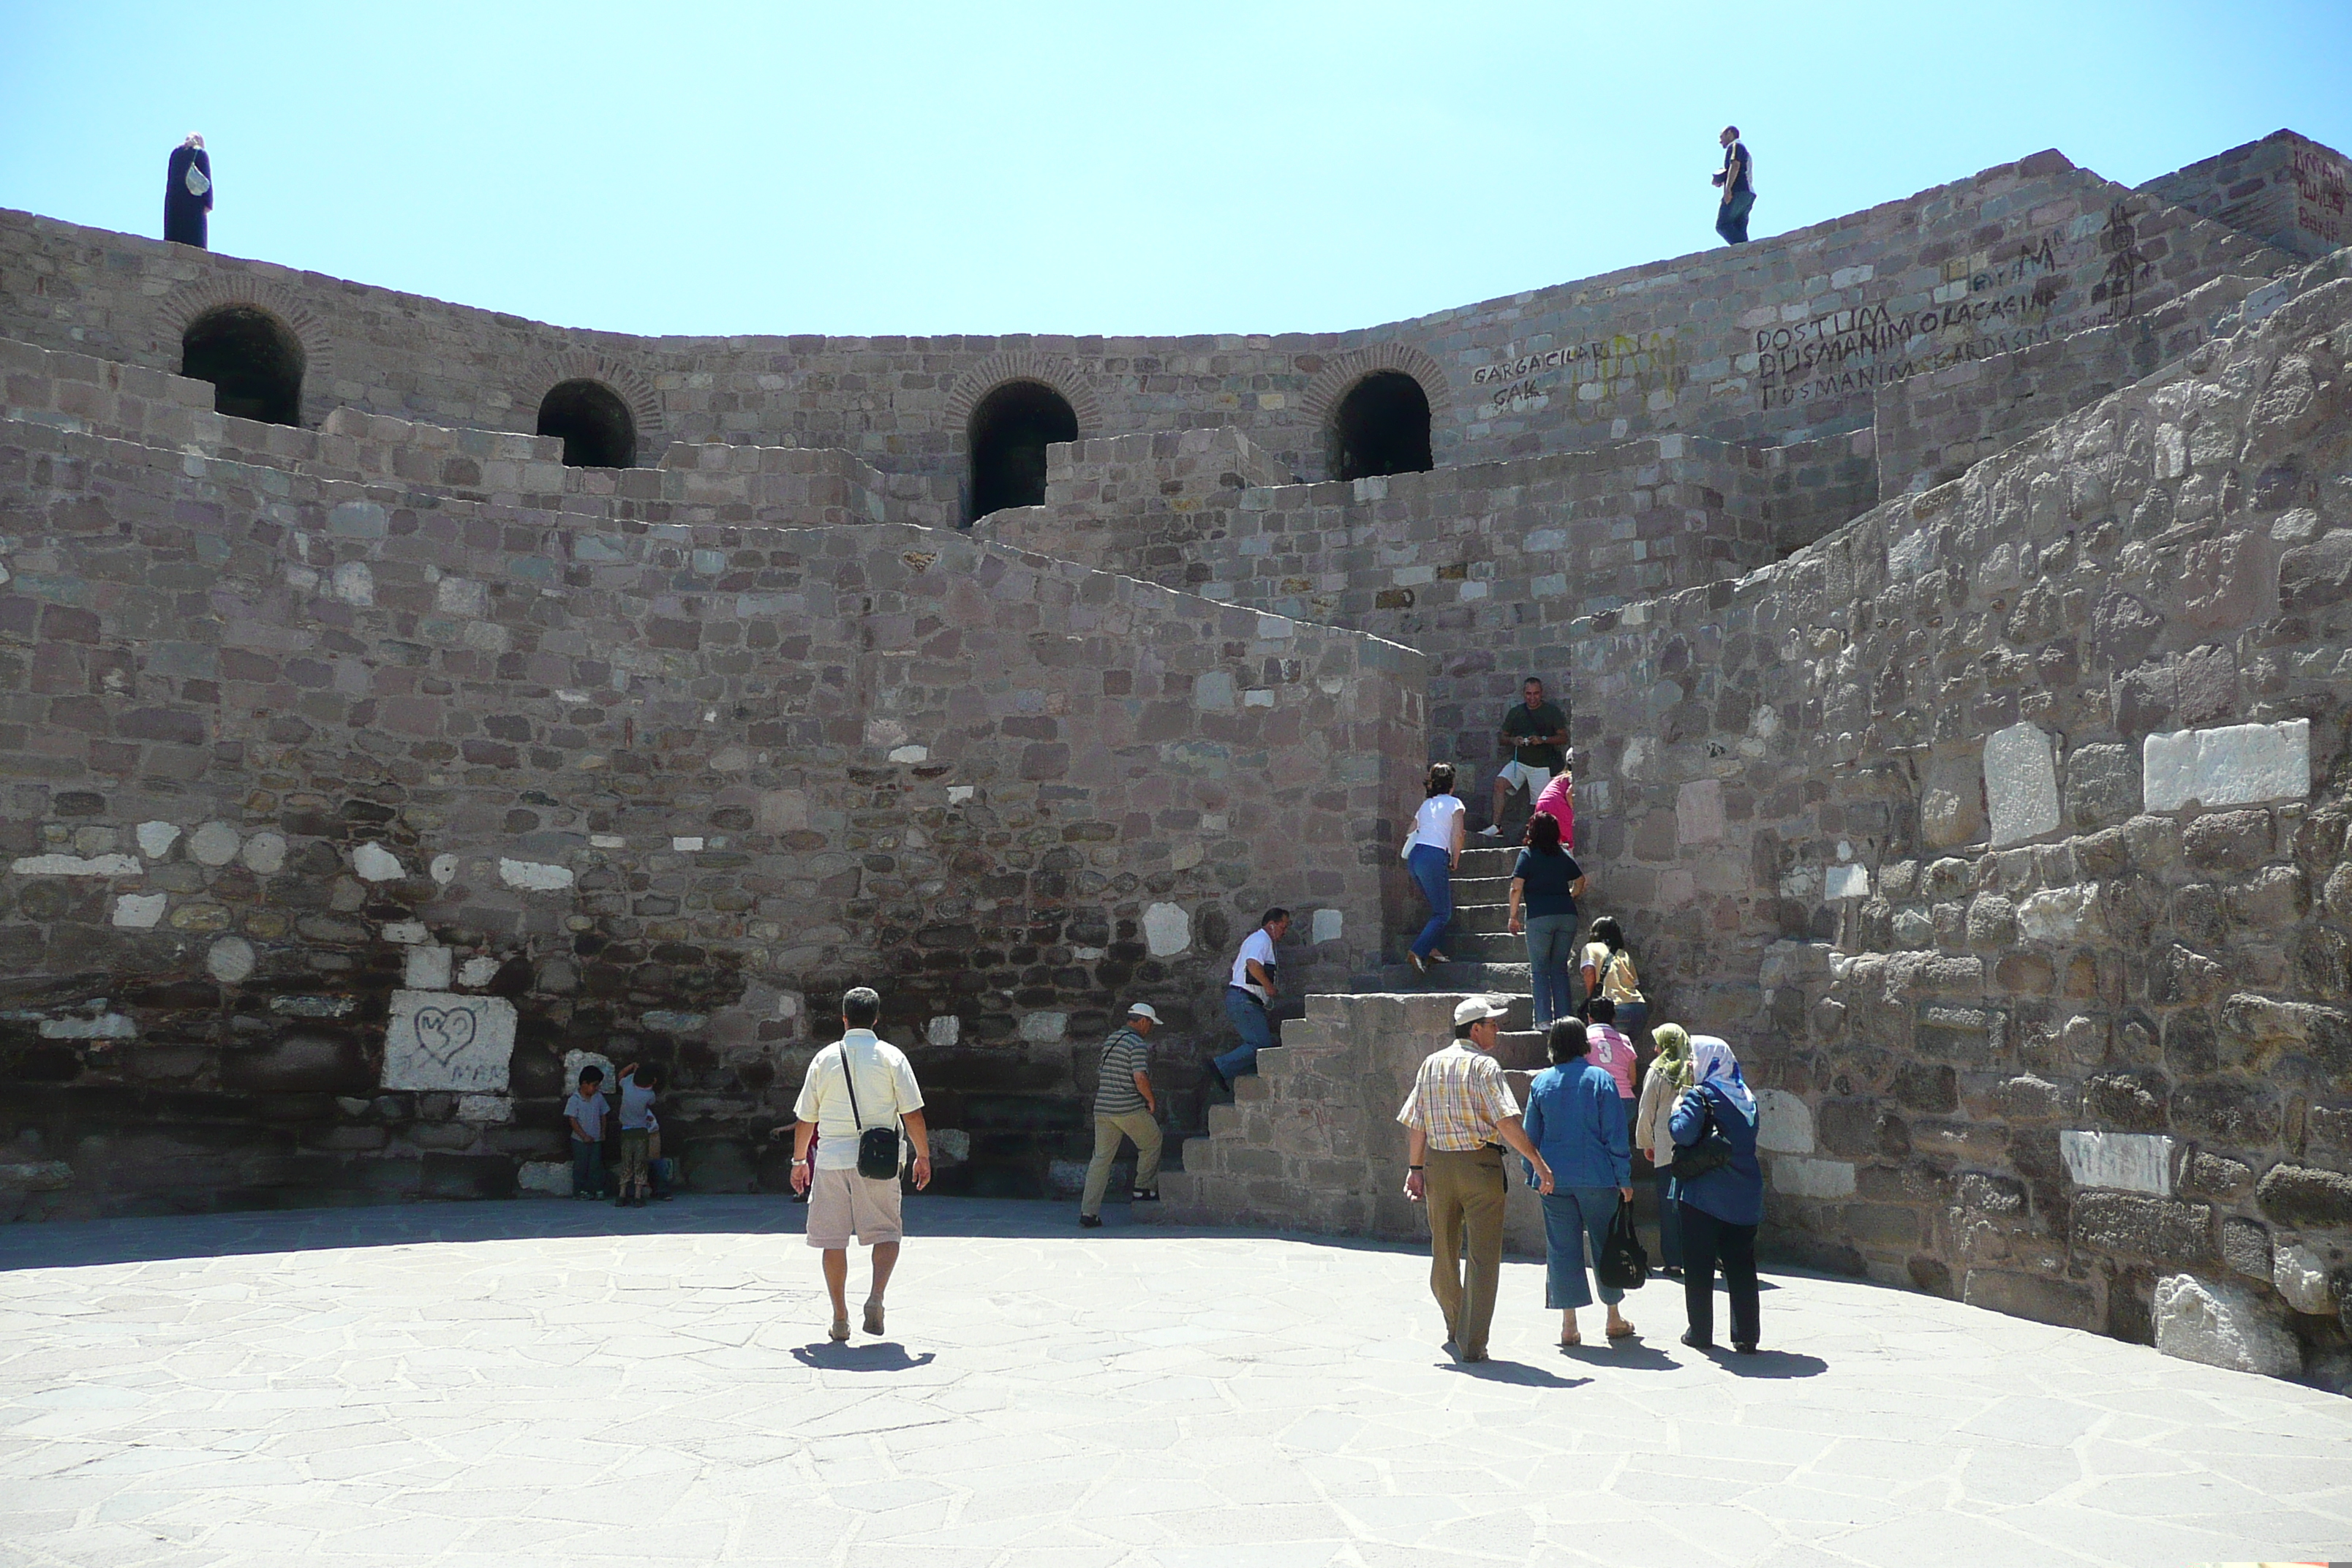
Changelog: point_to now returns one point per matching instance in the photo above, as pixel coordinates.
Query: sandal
(1571, 1344)
(1625, 1333)
(839, 1331)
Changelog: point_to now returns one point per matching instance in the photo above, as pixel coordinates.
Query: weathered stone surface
(2301, 1278)
(2126, 1161)
(439, 1040)
(2021, 775)
(2242, 763)
(2065, 1303)
(2221, 1323)
(1805, 1178)
(2246, 1247)
(2305, 1197)
(1784, 1123)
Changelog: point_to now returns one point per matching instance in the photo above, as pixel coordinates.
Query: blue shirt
(1733, 1194)
(1575, 1120)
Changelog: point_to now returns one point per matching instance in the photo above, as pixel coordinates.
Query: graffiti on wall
(2321, 187)
(2012, 300)
(1598, 372)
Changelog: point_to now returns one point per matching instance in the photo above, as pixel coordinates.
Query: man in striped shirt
(1457, 1111)
(1125, 1105)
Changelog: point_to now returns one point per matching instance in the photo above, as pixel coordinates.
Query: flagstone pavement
(550, 1381)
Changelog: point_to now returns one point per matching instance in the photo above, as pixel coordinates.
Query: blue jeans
(1551, 943)
(587, 1169)
(1250, 1021)
(1433, 868)
(1631, 1018)
(1732, 217)
(1571, 1214)
(1670, 1222)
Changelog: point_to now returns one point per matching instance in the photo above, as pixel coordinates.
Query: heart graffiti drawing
(443, 1032)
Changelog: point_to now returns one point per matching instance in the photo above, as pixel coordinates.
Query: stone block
(2303, 1198)
(1802, 1178)
(1784, 1123)
(2222, 1324)
(2169, 1230)
(2064, 1303)
(2020, 777)
(1167, 930)
(441, 1040)
(545, 1178)
(2125, 1161)
(2246, 1247)
(2239, 764)
(1698, 812)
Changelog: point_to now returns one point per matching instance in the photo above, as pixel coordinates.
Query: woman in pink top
(1559, 799)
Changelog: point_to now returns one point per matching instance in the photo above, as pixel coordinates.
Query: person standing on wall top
(1249, 993)
(1537, 734)
(1125, 1105)
(1737, 179)
(187, 193)
(1432, 850)
(1456, 1120)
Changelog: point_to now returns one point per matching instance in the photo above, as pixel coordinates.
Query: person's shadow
(878, 1356)
(1771, 1363)
(1513, 1372)
(1633, 1353)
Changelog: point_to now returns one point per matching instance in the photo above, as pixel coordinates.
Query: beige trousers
(1144, 1129)
(1465, 1195)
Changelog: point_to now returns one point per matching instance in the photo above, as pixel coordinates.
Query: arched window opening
(1382, 427)
(1009, 434)
(597, 428)
(253, 360)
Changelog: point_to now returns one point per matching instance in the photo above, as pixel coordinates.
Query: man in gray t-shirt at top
(1125, 1105)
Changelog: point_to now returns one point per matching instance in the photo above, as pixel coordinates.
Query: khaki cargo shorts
(841, 1201)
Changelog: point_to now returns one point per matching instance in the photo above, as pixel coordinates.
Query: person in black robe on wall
(188, 193)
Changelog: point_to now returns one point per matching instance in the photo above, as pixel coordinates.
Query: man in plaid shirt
(1458, 1107)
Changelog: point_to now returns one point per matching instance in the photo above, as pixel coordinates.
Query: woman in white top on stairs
(1430, 853)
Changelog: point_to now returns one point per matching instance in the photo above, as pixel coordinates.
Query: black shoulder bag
(877, 1147)
(1622, 1264)
(1710, 1152)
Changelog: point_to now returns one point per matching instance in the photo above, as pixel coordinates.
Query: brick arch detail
(1320, 402)
(180, 308)
(998, 369)
(538, 377)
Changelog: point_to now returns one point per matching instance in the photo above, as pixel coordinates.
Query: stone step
(1488, 979)
(1482, 863)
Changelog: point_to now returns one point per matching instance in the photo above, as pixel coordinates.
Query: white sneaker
(1492, 830)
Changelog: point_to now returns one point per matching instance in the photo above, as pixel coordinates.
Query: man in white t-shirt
(1249, 992)
(858, 1081)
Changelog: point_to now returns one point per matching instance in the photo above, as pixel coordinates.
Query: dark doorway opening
(253, 360)
(1382, 427)
(597, 428)
(1009, 433)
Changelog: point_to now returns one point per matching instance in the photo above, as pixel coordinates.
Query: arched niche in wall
(1381, 426)
(253, 360)
(1009, 430)
(594, 422)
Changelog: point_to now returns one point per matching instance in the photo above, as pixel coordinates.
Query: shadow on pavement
(881, 1355)
(1772, 1363)
(1513, 1372)
(1637, 1355)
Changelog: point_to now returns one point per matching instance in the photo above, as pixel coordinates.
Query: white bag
(195, 181)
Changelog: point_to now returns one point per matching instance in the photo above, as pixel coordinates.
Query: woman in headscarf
(1662, 1091)
(1721, 1208)
(187, 193)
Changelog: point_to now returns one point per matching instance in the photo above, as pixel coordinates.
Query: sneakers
(1492, 830)
(1090, 1222)
(1144, 1195)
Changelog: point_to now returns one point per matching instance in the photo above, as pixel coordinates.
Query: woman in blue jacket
(1721, 1209)
(1575, 1120)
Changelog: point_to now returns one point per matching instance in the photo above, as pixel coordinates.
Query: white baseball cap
(1471, 1009)
(1143, 1010)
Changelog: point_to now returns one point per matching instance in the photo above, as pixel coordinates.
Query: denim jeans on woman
(1572, 1217)
(1551, 947)
(1433, 868)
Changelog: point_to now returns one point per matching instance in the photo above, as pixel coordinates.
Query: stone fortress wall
(341, 809)
(1946, 596)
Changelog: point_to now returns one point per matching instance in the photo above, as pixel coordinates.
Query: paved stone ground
(547, 1381)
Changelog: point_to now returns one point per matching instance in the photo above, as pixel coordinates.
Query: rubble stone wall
(2005, 833)
(1481, 566)
(1780, 340)
(2285, 189)
(335, 813)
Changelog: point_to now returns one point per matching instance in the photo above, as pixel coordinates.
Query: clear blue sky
(875, 167)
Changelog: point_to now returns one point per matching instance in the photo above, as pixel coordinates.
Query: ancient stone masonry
(1951, 601)
(342, 811)
(1781, 341)
(2005, 831)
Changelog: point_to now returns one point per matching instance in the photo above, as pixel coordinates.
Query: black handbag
(877, 1147)
(1710, 1152)
(1623, 1265)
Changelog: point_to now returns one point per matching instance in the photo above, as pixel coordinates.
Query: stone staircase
(1311, 1142)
